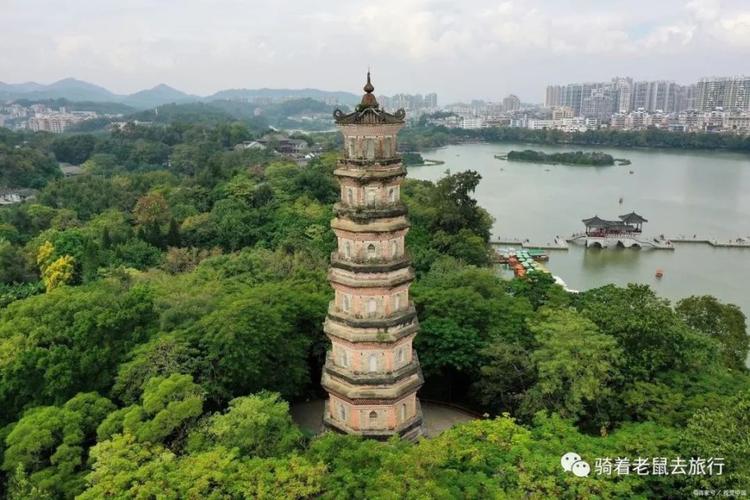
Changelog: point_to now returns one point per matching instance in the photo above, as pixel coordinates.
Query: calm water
(680, 193)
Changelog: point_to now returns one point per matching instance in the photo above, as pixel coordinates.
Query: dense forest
(424, 136)
(160, 312)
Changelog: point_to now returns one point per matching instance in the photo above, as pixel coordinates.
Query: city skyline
(459, 52)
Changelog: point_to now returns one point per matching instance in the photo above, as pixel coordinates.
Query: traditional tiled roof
(596, 221)
(368, 111)
(632, 218)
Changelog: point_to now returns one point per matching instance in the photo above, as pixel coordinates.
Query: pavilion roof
(596, 221)
(632, 218)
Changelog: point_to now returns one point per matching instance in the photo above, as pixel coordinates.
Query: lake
(705, 193)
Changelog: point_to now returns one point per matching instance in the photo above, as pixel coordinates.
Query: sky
(461, 49)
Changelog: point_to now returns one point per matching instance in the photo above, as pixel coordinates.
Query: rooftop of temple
(368, 111)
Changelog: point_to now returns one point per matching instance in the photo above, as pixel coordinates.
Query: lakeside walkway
(730, 243)
(556, 244)
(659, 243)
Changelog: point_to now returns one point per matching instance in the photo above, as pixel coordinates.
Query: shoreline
(611, 146)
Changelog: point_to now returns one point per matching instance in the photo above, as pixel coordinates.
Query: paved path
(437, 418)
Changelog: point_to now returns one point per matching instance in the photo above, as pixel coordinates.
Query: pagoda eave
(378, 226)
(374, 173)
(388, 280)
(367, 394)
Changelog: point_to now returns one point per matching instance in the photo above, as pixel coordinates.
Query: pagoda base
(410, 430)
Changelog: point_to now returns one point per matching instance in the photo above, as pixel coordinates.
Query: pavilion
(631, 223)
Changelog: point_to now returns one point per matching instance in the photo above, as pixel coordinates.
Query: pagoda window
(371, 251)
(394, 248)
(387, 149)
(373, 363)
(346, 302)
(342, 412)
(371, 197)
(373, 415)
(400, 355)
(351, 147)
(344, 358)
(347, 249)
(372, 306)
(370, 155)
(397, 302)
(392, 195)
(350, 196)
(403, 412)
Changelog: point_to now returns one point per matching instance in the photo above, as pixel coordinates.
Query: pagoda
(371, 372)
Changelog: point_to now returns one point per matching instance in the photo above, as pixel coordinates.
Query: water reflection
(599, 260)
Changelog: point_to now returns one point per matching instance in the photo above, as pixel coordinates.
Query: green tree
(67, 341)
(151, 209)
(162, 356)
(169, 406)
(651, 335)
(13, 265)
(723, 322)
(462, 309)
(575, 363)
(74, 149)
(50, 443)
(247, 337)
(256, 426)
(125, 467)
(507, 373)
(722, 433)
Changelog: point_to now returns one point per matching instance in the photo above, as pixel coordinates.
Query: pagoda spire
(368, 100)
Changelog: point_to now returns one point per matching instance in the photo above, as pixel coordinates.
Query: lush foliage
(158, 312)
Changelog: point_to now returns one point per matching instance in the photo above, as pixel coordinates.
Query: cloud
(474, 48)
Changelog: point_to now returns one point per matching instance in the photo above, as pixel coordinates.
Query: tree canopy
(161, 311)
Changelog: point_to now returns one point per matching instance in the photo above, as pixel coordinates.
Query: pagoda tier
(371, 373)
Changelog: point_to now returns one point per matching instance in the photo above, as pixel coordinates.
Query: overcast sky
(461, 49)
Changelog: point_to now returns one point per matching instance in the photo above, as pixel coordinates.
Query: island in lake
(595, 158)
(414, 159)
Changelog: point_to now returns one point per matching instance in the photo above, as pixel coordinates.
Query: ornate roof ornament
(368, 111)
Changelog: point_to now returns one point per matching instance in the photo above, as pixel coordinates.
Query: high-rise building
(371, 373)
(620, 95)
(658, 95)
(623, 94)
(511, 103)
(430, 100)
(552, 97)
(728, 93)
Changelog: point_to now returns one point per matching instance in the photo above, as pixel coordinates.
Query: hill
(278, 94)
(78, 90)
(156, 96)
(69, 88)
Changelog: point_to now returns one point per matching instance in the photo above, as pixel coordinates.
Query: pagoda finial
(368, 86)
(368, 100)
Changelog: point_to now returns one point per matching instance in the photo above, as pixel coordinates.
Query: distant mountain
(157, 96)
(69, 88)
(275, 94)
(77, 90)
(20, 87)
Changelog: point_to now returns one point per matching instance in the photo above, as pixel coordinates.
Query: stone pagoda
(371, 373)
